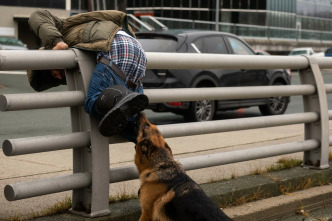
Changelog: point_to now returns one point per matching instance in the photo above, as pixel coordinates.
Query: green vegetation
(284, 163)
(60, 207)
(123, 197)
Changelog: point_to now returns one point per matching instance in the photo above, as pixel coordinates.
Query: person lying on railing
(115, 92)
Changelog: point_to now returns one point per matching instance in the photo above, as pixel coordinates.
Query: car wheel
(275, 105)
(200, 111)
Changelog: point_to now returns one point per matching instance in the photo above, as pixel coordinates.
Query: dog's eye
(145, 126)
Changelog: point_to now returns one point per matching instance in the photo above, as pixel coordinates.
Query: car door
(215, 44)
(248, 77)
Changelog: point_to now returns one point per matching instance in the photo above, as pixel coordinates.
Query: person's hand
(59, 74)
(60, 46)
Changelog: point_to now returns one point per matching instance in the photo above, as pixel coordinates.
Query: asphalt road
(17, 124)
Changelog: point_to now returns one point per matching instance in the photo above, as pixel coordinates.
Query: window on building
(60, 4)
(244, 4)
(186, 3)
(236, 4)
(225, 3)
(261, 4)
(168, 3)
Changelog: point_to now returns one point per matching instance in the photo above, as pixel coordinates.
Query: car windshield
(328, 51)
(11, 41)
(298, 52)
(158, 45)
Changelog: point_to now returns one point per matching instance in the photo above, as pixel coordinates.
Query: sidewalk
(37, 166)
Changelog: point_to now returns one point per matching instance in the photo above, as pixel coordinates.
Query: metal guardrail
(91, 173)
(243, 30)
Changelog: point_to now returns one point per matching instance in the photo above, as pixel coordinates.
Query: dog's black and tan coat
(167, 192)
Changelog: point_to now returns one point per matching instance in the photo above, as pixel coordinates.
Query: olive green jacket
(91, 31)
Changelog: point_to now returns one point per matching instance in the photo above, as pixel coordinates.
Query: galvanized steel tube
(217, 126)
(328, 88)
(34, 188)
(158, 60)
(65, 59)
(210, 160)
(225, 93)
(14, 147)
(37, 59)
(188, 129)
(11, 102)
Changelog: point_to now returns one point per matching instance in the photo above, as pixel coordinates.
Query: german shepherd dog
(167, 192)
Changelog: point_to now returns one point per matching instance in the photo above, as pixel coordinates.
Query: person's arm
(59, 74)
(47, 27)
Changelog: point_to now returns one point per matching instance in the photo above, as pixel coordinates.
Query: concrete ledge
(244, 189)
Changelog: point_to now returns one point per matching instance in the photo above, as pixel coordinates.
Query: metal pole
(14, 147)
(317, 102)
(217, 14)
(11, 102)
(222, 93)
(189, 129)
(95, 158)
(34, 188)
(158, 60)
(37, 59)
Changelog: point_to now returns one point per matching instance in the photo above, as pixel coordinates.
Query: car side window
(238, 47)
(211, 44)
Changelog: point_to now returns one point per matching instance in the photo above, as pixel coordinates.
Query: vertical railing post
(94, 200)
(317, 158)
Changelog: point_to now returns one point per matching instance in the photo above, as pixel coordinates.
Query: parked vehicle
(261, 52)
(302, 51)
(209, 42)
(328, 52)
(11, 43)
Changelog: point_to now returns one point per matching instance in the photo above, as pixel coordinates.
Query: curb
(237, 191)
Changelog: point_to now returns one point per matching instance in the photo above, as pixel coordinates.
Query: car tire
(200, 111)
(275, 105)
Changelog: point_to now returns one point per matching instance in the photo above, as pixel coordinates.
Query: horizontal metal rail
(19, 146)
(79, 180)
(40, 187)
(188, 129)
(12, 102)
(13, 147)
(328, 88)
(66, 59)
(37, 59)
(218, 61)
(226, 93)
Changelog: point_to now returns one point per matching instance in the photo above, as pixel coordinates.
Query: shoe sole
(117, 118)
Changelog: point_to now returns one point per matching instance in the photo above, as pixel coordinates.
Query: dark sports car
(185, 41)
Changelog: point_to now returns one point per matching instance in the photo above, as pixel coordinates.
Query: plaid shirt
(127, 53)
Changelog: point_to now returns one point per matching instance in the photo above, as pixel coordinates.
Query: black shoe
(117, 118)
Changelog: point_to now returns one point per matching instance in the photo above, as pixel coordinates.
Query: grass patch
(60, 207)
(122, 197)
(284, 163)
(237, 201)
